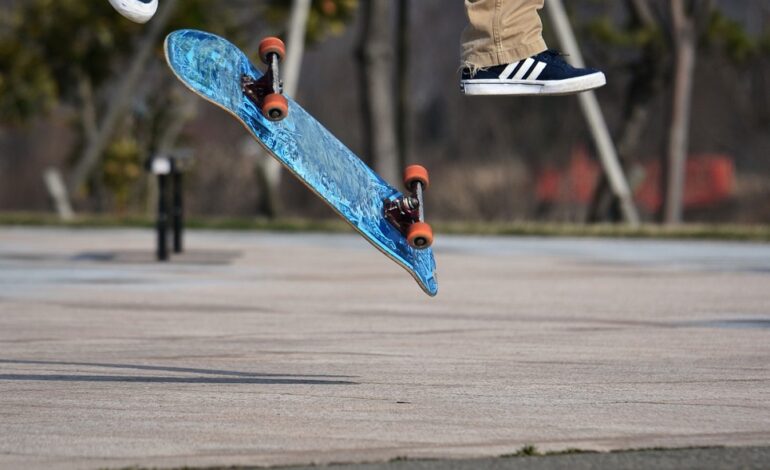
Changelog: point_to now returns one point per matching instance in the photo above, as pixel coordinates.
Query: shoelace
(554, 53)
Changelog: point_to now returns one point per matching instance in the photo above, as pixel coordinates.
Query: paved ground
(268, 349)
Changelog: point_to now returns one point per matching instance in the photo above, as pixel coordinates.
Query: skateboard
(391, 221)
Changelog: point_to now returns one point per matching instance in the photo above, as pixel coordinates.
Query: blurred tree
(73, 53)
(121, 167)
(51, 49)
(648, 72)
(375, 55)
(403, 110)
(83, 57)
(687, 21)
(322, 18)
(119, 99)
(664, 38)
(327, 17)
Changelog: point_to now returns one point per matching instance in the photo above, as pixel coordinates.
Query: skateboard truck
(407, 213)
(266, 92)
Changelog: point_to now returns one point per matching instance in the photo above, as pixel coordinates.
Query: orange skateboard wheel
(271, 45)
(419, 235)
(275, 107)
(414, 174)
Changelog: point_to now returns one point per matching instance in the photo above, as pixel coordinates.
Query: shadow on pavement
(231, 377)
(210, 257)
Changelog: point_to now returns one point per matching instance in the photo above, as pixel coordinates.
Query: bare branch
(644, 13)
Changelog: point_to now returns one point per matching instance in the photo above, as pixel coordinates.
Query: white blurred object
(161, 165)
(58, 192)
(139, 11)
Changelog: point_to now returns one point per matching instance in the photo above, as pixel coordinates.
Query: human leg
(501, 32)
(504, 53)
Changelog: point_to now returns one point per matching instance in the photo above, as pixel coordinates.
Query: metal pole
(593, 114)
(178, 209)
(162, 222)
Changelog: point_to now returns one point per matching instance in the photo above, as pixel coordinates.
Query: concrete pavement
(276, 349)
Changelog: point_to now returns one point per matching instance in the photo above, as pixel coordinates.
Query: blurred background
(86, 99)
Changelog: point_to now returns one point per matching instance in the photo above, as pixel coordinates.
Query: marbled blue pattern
(212, 67)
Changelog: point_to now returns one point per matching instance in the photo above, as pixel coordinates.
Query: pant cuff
(491, 59)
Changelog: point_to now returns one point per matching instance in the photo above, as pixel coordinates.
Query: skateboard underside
(212, 67)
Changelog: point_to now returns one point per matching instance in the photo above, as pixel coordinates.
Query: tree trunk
(684, 34)
(594, 116)
(88, 103)
(295, 45)
(648, 80)
(267, 170)
(376, 62)
(402, 82)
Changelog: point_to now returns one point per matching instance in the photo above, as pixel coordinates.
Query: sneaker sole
(534, 88)
(138, 12)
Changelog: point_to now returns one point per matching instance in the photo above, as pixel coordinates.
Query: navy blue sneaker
(546, 73)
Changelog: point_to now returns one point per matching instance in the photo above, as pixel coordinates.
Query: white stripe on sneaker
(508, 70)
(524, 69)
(536, 71)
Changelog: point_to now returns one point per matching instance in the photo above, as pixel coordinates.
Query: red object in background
(710, 180)
(583, 175)
(548, 185)
(648, 194)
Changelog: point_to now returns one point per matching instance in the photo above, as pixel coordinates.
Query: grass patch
(532, 451)
(526, 451)
(757, 233)
(571, 451)
(665, 449)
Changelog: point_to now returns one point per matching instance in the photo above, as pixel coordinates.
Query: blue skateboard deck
(212, 67)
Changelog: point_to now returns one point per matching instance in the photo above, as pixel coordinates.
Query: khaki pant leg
(501, 31)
